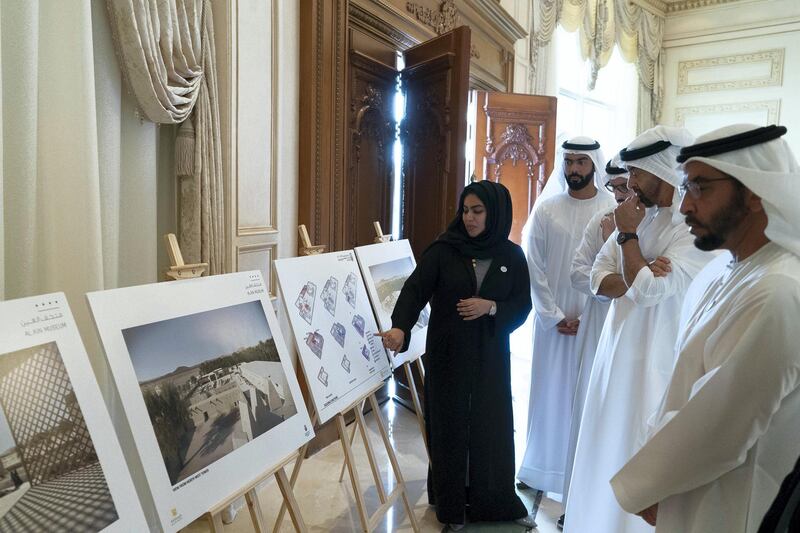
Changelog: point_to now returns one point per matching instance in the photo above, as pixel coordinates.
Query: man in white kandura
(728, 429)
(572, 195)
(635, 356)
(597, 232)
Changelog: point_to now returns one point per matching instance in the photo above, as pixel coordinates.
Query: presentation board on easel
(386, 267)
(207, 385)
(334, 329)
(62, 465)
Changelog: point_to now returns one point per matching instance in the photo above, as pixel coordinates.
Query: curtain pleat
(166, 53)
(602, 24)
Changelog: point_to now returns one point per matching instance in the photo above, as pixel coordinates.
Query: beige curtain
(601, 24)
(166, 53)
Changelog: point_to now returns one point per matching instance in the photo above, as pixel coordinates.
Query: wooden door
(515, 145)
(436, 83)
(368, 198)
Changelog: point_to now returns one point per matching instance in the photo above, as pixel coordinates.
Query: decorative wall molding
(677, 6)
(474, 52)
(359, 14)
(253, 262)
(775, 59)
(772, 107)
(441, 21)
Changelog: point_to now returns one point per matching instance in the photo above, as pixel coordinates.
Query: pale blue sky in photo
(159, 348)
(6, 441)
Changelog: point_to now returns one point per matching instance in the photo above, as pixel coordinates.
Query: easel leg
(417, 407)
(255, 510)
(215, 521)
(373, 464)
(393, 460)
(295, 473)
(348, 453)
(289, 500)
(352, 438)
(421, 368)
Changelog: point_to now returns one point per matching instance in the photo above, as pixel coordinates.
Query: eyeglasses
(695, 188)
(621, 188)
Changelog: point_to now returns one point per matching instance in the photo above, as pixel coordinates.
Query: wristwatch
(493, 309)
(624, 237)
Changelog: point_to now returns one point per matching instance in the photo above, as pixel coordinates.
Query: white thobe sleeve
(605, 264)
(754, 350)
(543, 300)
(685, 260)
(581, 268)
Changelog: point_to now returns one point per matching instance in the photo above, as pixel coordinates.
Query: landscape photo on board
(50, 475)
(389, 278)
(211, 382)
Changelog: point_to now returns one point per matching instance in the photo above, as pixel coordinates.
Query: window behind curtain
(608, 113)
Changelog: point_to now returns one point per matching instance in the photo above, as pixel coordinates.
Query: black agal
(611, 170)
(734, 142)
(644, 151)
(582, 147)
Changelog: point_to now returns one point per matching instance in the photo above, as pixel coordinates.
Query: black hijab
(497, 200)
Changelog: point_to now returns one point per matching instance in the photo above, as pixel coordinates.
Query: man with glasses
(727, 430)
(597, 232)
(572, 195)
(634, 357)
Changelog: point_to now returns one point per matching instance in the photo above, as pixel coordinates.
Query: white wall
(521, 11)
(732, 63)
(258, 47)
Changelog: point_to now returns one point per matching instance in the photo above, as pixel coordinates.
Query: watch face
(623, 237)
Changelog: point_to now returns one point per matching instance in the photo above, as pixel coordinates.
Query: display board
(206, 383)
(385, 267)
(334, 329)
(61, 466)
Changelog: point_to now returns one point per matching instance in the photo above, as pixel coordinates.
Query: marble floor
(328, 505)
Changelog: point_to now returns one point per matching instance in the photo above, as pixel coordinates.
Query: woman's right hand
(393, 339)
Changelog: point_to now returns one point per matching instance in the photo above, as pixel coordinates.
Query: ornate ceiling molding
(677, 6)
(442, 21)
(367, 19)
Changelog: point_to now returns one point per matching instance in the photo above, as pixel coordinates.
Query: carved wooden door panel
(371, 137)
(515, 145)
(436, 83)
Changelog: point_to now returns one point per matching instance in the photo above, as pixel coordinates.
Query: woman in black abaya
(477, 283)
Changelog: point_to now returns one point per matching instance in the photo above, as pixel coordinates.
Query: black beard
(578, 185)
(721, 225)
(647, 202)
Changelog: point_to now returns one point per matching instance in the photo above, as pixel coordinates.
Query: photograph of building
(211, 382)
(389, 278)
(50, 476)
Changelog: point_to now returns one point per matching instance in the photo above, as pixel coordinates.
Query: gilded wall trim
(774, 57)
(772, 107)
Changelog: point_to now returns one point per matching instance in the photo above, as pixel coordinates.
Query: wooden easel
(214, 515)
(306, 248)
(179, 270)
(368, 522)
(381, 238)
